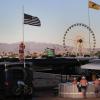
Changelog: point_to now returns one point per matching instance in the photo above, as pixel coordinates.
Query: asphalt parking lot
(51, 98)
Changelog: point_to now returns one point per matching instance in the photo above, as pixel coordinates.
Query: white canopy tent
(91, 66)
(94, 64)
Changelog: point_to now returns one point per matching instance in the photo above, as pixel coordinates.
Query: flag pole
(89, 26)
(23, 35)
(23, 24)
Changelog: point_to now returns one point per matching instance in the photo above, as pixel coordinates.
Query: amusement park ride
(79, 40)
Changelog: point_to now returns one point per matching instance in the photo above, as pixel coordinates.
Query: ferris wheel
(79, 40)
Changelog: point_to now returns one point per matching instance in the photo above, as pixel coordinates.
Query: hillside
(32, 47)
(29, 46)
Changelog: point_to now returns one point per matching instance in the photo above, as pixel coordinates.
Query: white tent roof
(94, 64)
(91, 66)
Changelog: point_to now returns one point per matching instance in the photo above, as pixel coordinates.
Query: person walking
(84, 84)
(97, 87)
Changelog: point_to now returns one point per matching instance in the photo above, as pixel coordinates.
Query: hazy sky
(55, 16)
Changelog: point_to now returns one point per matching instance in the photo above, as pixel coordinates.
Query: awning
(91, 66)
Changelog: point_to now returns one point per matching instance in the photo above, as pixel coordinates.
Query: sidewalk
(60, 98)
(48, 95)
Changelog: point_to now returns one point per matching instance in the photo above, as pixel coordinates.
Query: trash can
(55, 91)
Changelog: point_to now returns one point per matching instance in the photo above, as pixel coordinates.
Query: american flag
(31, 20)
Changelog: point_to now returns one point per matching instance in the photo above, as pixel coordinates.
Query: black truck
(16, 79)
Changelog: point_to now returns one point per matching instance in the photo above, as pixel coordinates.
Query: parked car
(18, 79)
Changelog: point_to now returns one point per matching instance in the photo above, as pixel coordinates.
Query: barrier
(71, 91)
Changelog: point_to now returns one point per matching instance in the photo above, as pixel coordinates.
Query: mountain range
(32, 47)
(29, 46)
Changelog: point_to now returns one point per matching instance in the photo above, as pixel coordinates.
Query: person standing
(84, 84)
(74, 82)
(97, 87)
